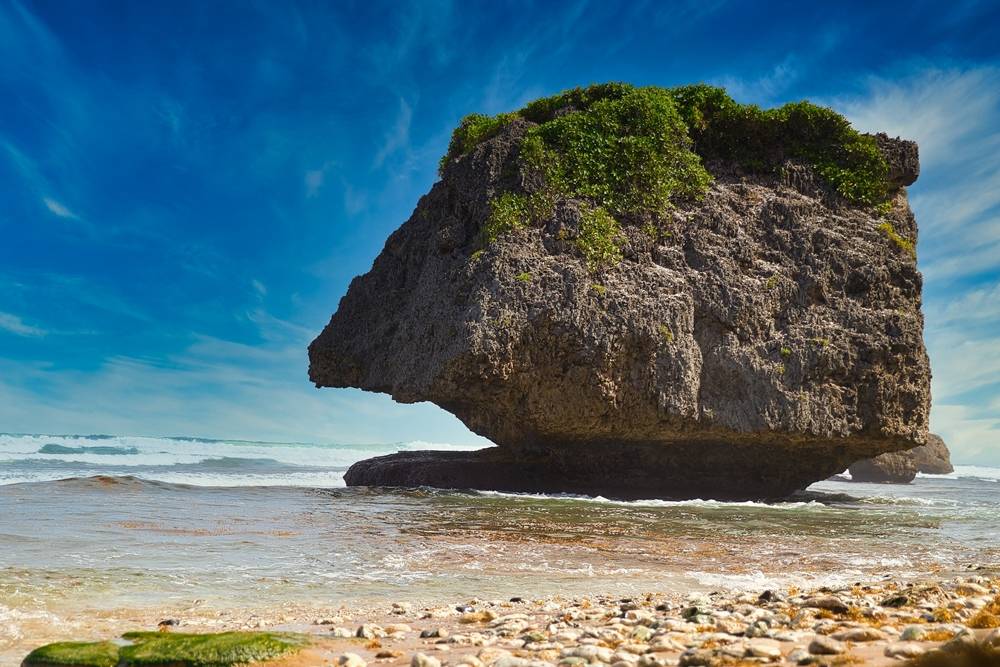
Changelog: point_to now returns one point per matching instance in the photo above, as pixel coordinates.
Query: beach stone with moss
(137, 649)
(647, 292)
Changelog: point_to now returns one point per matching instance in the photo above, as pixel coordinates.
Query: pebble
(800, 657)
(424, 660)
(860, 635)
(829, 603)
(370, 631)
(826, 646)
(913, 633)
(351, 660)
(904, 650)
(342, 632)
(763, 648)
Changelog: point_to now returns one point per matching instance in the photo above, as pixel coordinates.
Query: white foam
(176, 460)
(968, 472)
(652, 502)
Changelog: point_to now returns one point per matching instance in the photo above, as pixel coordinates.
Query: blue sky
(190, 186)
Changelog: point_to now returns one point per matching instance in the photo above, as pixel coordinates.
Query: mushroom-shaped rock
(644, 292)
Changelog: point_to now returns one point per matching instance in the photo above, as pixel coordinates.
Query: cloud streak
(15, 325)
(954, 115)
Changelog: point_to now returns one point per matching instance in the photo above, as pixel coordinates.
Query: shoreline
(876, 623)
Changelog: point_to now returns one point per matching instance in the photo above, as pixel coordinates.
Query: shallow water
(147, 523)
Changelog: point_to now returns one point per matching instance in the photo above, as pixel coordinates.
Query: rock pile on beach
(643, 292)
(883, 624)
(874, 625)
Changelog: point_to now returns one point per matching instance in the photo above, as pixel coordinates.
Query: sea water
(93, 525)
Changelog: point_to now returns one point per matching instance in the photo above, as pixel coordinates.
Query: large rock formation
(901, 467)
(739, 343)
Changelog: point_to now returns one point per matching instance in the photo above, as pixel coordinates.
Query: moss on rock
(170, 648)
(631, 151)
(83, 654)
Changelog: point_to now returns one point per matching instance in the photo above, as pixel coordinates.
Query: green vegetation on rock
(170, 648)
(84, 654)
(630, 152)
(901, 242)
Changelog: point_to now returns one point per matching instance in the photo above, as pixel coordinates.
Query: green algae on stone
(208, 650)
(82, 654)
(170, 648)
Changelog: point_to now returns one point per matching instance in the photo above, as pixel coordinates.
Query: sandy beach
(879, 623)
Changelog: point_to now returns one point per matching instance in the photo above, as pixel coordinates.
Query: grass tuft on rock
(82, 654)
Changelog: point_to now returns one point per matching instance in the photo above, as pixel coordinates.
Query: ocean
(123, 527)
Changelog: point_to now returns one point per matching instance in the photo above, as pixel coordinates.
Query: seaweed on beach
(167, 648)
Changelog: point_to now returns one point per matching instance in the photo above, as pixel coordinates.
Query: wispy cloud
(954, 115)
(15, 325)
(765, 88)
(58, 208)
(398, 138)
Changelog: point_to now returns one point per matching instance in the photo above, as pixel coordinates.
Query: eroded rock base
(697, 470)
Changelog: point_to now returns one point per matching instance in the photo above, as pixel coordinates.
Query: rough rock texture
(747, 345)
(901, 467)
(891, 468)
(934, 457)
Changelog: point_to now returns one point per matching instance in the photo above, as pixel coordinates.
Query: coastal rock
(739, 344)
(901, 467)
(891, 468)
(934, 457)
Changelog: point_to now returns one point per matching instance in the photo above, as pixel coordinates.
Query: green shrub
(901, 242)
(524, 277)
(634, 151)
(512, 211)
(598, 237)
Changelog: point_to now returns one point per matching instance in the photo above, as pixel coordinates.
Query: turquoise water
(132, 523)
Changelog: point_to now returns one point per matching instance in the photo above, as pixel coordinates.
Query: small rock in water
(464, 608)
(516, 599)
(424, 660)
(342, 633)
(903, 650)
(896, 601)
(826, 646)
(382, 655)
(351, 660)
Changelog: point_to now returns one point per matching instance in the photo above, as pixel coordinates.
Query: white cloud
(954, 116)
(259, 287)
(398, 138)
(15, 325)
(58, 208)
(316, 178)
(767, 87)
